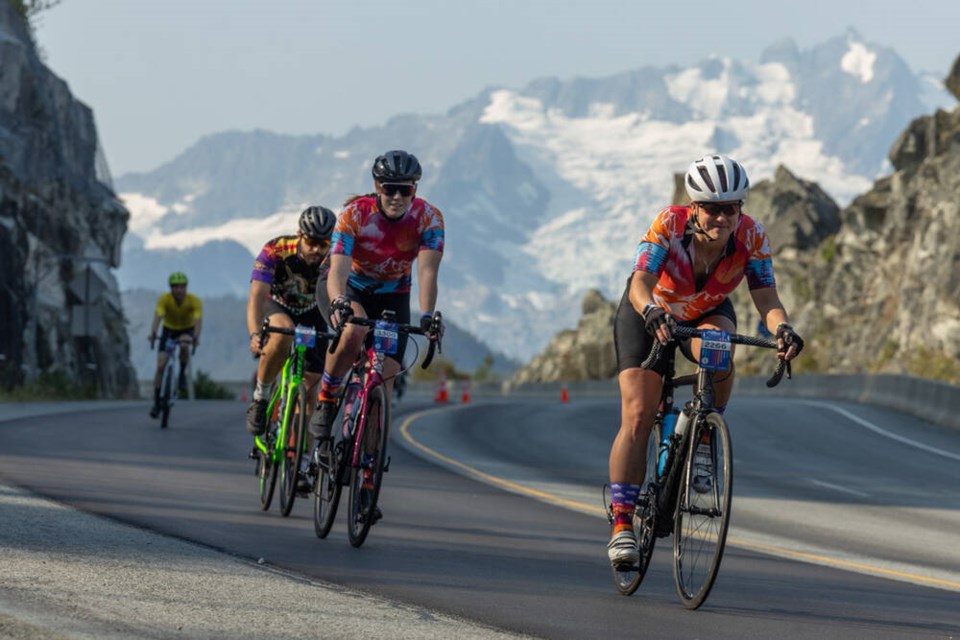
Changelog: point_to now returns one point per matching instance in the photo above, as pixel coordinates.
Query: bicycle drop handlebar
(402, 328)
(783, 366)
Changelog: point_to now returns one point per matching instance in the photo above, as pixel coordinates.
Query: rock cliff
(60, 230)
(874, 287)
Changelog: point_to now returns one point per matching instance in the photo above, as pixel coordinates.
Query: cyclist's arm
(642, 285)
(155, 325)
(428, 267)
(259, 292)
(196, 330)
(339, 273)
(767, 301)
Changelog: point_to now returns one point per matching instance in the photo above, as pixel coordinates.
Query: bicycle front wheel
(294, 435)
(327, 489)
(367, 477)
(166, 397)
(703, 510)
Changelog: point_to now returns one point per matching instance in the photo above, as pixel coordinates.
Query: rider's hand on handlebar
(432, 327)
(256, 348)
(340, 312)
(789, 342)
(658, 322)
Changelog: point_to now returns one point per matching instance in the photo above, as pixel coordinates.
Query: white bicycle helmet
(716, 178)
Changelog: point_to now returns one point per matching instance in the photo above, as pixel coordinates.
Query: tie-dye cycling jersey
(664, 251)
(292, 281)
(382, 249)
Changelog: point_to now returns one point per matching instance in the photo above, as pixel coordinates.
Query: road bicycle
(689, 482)
(357, 457)
(169, 387)
(280, 449)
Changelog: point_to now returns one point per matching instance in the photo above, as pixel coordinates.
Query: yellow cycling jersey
(179, 316)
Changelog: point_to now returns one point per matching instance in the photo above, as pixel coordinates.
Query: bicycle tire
(166, 391)
(292, 452)
(703, 515)
(627, 581)
(376, 432)
(266, 475)
(328, 488)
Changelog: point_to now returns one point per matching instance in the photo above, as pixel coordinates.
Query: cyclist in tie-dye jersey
(687, 264)
(377, 238)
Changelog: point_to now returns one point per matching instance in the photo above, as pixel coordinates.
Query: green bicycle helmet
(178, 277)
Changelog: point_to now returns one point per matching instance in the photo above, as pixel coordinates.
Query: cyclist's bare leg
(275, 349)
(161, 365)
(339, 362)
(722, 380)
(640, 397)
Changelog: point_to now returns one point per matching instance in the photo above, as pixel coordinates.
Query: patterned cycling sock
(329, 386)
(260, 391)
(720, 410)
(624, 497)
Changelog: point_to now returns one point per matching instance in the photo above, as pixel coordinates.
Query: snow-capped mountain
(547, 189)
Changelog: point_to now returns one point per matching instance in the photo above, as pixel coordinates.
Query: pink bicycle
(357, 457)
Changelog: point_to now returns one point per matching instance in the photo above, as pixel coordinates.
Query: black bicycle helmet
(317, 222)
(396, 165)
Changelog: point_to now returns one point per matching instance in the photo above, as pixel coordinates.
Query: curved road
(883, 502)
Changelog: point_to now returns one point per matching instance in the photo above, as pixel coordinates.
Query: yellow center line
(583, 507)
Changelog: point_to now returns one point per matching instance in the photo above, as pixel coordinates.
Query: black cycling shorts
(632, 341)
(374, 304)
(174, 333)
(314, 358)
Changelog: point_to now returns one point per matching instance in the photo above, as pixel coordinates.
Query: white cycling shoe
(622, 549)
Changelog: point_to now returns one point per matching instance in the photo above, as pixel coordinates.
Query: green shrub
(204, 388)
(51, 385)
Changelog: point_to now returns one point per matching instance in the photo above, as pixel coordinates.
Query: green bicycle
(280, 449)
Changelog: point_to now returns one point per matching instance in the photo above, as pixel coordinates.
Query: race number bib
(385, 337)
(714, 350)
(304, 336)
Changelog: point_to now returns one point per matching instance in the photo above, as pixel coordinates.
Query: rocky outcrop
(872, 288)
(60, 230)
(584, 353)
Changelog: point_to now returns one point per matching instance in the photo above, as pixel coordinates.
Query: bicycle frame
(290, 378)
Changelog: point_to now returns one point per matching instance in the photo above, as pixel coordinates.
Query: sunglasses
(313, 243)
(713, 209)
(392, 188)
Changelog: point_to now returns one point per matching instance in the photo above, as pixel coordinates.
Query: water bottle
(666, 430)
(349, 400)
(684, 419)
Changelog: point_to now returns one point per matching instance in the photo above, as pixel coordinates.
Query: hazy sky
(159, 74)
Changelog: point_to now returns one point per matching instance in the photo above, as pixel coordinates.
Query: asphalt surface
(457, 546)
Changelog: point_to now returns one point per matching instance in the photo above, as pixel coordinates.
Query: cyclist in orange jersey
(687, 264)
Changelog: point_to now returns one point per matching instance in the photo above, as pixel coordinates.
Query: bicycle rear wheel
(627, 580)
(366, 479)
(703, 510)
(166, 395)
(296, 413)
(266, 475)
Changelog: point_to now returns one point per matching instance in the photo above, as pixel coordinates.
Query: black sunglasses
(393, 188)
(713, 209)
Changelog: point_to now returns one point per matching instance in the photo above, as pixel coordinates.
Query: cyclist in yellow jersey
(181, 315)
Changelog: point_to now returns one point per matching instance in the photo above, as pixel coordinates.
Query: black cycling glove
(786, 336)
(340, 311)
(654, 317)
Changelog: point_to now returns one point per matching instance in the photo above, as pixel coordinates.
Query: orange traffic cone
(243, 396)
(465, 398)
(442, 395)
(564, 394)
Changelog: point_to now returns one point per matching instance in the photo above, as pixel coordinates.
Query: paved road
(453, 544)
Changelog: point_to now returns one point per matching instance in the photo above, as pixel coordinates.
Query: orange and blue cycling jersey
(664, 252)
(383, 250)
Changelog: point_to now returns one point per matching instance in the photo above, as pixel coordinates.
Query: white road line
(837, 487)
(872, 427)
